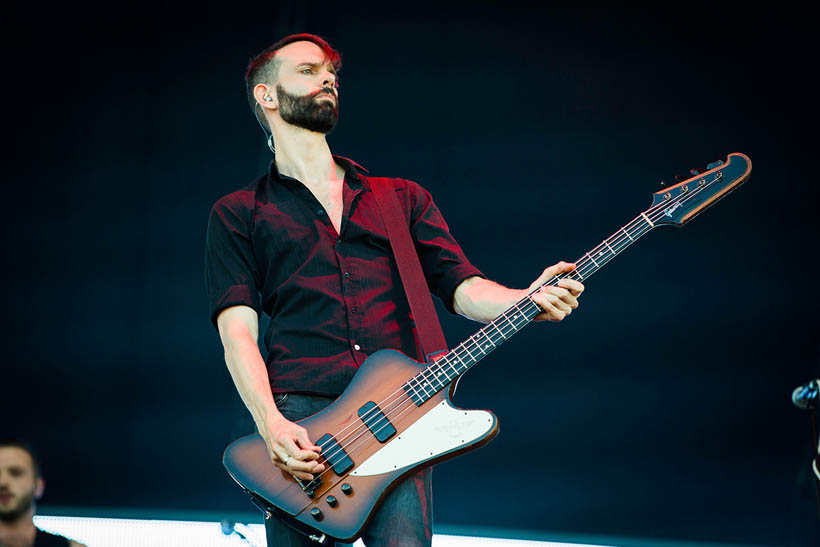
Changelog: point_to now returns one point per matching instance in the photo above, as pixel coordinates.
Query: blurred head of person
(20, 481)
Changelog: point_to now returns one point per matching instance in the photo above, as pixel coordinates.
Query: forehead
(13, 456)
(302, 52)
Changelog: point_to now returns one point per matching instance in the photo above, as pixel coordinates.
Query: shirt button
(357, 347)
(320, 212)
(354, 309)
(347, 274)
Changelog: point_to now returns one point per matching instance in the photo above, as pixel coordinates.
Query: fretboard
(441, 373)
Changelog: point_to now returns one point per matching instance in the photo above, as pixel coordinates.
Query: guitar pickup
(335, 455)
(376, 421)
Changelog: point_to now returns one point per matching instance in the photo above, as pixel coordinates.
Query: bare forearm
(249, 374)
(483, 300)
(289, 445)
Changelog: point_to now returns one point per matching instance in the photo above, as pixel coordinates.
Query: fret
(537, 309)
(439, 372)
(476, 344)
(458, 357)
(413, 394)
(520, 314)
(422, 387)
(468, 351)
(498, 329)
(491, 343)
(504, 315)
(432, 377)
(447, 361)
(443, 371)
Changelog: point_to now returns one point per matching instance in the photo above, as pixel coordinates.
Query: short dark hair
(264, 68)
(26, 446)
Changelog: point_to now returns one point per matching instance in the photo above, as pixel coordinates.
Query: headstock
(684, 200)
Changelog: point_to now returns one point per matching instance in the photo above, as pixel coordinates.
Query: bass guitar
(396, 416)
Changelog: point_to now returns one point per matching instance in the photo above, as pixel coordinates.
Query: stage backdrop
(660, 408)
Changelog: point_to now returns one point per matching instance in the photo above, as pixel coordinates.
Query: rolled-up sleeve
(442, 259)
(231, 271)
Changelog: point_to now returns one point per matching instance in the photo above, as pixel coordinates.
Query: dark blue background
(661, 408)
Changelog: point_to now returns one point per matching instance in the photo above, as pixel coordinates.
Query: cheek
(23, 486)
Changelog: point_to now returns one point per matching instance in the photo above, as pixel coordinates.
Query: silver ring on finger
(287, 460)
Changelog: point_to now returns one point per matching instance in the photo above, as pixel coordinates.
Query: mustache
(325, 91)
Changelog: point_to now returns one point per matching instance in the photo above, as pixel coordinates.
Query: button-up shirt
(332, 298)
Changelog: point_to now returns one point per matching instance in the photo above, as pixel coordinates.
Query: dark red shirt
(333, 299)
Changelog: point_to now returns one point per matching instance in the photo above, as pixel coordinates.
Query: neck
(302, 154)
(20, 528)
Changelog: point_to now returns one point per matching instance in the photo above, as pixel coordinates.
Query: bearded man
(20, 485)
(306, 245)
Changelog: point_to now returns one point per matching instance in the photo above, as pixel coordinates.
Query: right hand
(290, 449)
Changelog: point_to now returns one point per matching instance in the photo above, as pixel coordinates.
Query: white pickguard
(442, 429)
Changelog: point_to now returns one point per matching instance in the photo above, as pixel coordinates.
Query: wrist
(266, 415)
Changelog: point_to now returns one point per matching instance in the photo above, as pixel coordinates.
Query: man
(308, 239)
(20, 485)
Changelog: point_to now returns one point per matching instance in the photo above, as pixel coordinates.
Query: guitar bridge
(309, 487)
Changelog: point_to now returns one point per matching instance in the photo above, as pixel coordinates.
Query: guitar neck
(441, 373)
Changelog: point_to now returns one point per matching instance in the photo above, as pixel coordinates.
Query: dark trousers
(405, 517)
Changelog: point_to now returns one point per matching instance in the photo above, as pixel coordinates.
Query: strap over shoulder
(429, 330)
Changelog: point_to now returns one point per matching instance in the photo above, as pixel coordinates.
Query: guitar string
(388, 412)
(620, 243)
(391, 413)
(578, 271)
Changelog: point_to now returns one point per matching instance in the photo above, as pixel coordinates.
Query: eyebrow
(317, 65)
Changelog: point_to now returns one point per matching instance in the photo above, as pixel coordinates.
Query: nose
(329, 80)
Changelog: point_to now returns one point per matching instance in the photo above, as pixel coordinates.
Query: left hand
(559, 300)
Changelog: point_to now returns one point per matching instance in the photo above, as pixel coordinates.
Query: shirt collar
(353, 170)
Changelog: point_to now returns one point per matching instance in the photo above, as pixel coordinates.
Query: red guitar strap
(428, 328)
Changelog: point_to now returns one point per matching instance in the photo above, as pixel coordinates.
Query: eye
(307, 71)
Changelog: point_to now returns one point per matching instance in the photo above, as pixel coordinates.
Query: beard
(305, 112)
(18, 509)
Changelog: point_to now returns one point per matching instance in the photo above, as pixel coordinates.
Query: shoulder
(411, 191)
(239, 200)
(236, 208)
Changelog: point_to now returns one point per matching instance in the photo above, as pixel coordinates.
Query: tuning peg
(714, 164)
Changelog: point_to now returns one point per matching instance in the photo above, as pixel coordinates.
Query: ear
(265, 95)
(39, 487)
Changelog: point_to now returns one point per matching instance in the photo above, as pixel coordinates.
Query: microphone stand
(806, 397)
(816, 463)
